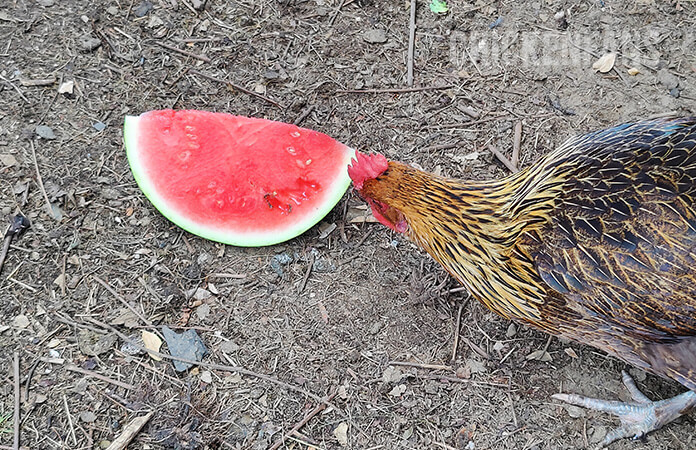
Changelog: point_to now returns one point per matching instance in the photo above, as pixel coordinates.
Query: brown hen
(595, 243)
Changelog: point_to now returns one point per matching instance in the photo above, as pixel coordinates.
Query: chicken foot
(638, 417)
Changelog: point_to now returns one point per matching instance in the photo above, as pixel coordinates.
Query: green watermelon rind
(334, 193)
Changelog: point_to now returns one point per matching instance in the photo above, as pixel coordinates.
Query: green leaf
(438, 6)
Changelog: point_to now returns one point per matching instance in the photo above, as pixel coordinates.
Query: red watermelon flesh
(233, 179)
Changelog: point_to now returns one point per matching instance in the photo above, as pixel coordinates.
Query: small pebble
(375, 36)
(667, 79)
(45, 132)
(89, 43)
(88, 416)
(142, 9)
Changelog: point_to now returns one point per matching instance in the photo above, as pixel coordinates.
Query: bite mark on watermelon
(232, 179)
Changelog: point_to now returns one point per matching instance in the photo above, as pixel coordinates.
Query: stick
(40, 82)
(237, 87)
(506, 162)
(307, 274)
(419, 365)
(465, 381)
(18, 224)
(40, 181)
(335, 14)
(15, 367)
(184, 52)
(130, 431)
(467, 124)
(16, 88)
(517, 139)
(70, 422)
(5, 247)
(393, 91)
(411, 44)
(435, 148)
(89, 373)
(320, 407)
(27, 382)
(456, 332)
(121, 299)
(304, 115)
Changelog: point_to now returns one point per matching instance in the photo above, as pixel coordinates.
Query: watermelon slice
(237, 180)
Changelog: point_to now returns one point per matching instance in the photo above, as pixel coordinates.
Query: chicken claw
(638, 417)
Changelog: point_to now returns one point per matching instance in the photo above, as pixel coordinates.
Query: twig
(184, 52)
(18, 224)
(419, 365)
(445, 446)
(15, 367)
(439, 147)
(517, 139)
(304, 115)
(512, 409)
(30, 375)
(411, 44)
(363, 239)
(121, 299)
(39, 82)
(130, 431)
(16, 88)
(39, 180)
(336, 12)
(476, 348)
(89, 373)
(237, 87)
(307, 273)
(506, 162)
(70, 422)
(456, 332)
(465, 381)
(320, 407)
(50, 105)
(393, 91)
(467, 124)
(469, 111)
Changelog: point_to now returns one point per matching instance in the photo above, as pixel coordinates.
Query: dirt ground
(71, 70)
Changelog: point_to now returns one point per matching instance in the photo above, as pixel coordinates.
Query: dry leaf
(60, 281)
(364, 219)
(540, 355)
(570, 352)
(152, 342)
(633, 71)
(8, 160)
(392, 375)
(21, 321)
(66, 87)
(398, 390)
(605, 63)
(341, 433)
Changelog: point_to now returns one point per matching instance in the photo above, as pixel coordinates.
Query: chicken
(595, 243)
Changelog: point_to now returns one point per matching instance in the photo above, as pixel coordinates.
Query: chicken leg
(638, 417)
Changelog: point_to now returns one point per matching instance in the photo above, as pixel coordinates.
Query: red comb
(366, 167)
